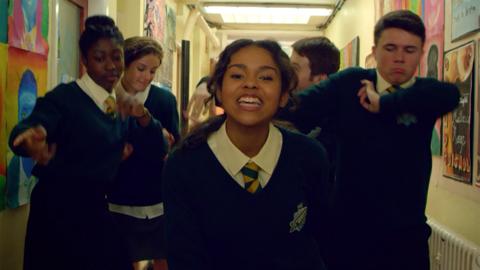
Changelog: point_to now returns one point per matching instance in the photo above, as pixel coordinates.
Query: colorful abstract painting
(465, 17)
(3, 20)
(154, 19)
(456, 131)
(28, 25)
(431, 64)
(382, 7)
(3, 134)
(349, 55)
(26, 79)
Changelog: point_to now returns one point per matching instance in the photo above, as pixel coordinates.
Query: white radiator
(451, 252)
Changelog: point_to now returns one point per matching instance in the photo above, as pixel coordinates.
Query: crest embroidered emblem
(406, 119)
(299, 218)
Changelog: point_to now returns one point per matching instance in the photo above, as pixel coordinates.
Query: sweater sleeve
(173, 116)
(148, 140)
(185, 245)
(315, 104)
(430, 98)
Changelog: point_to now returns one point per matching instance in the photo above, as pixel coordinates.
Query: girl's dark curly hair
(289, 82)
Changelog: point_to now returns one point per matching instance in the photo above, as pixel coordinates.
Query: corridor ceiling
(283, 31)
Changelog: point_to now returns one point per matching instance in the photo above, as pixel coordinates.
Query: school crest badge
(299, 218)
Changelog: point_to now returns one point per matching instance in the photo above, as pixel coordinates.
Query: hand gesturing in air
(34, 143)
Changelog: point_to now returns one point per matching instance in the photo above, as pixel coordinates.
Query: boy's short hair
(402, 19)
(323, 55)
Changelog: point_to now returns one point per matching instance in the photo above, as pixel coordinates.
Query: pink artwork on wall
(431, 64)
(155, 19)
(28, 25)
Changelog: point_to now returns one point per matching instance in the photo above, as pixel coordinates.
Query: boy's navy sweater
(213, 223)
(383, 165)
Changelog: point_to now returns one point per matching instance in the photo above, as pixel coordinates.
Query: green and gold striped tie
(110, 106)
(392, 88)
(250, 177)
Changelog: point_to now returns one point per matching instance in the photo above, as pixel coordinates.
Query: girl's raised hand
(34, 143)
(127, 105)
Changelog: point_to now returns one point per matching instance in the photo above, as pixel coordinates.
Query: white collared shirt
(383, 85)
(233, 160)
(97, 93)
(140, 96)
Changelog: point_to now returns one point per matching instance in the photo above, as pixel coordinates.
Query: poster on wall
(456, 142)
(3, 134)
(349, 55)
(431, 64)
(154, 19)
(465, 17)
(382, 7)
(159, 23)
(165, 73)
(3, 20)
(26, 79)
(28, 25)
(477, 117)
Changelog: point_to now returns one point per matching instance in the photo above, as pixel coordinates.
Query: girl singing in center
(239, 192)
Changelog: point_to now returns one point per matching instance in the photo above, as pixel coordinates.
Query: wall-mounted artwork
(170, 33)
(382, 7)
(165, 72)
(431, 64)
(370, 61)
(465, 17)
(26, 79)
(3, 20)
(154, 19)
(477, 118)
(456, 139)
(28, 25)
(349, 55)
(159, 23)
(415, 6)
(3, 134)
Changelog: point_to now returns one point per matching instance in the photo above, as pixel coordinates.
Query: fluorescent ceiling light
(270, 15)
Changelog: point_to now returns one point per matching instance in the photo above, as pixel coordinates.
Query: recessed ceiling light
(267, 15)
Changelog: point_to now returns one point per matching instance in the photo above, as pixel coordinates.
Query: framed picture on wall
(3, 133)
(349, 55)
(476, 151)
(457, 125)
(28, 25)
(465, 17)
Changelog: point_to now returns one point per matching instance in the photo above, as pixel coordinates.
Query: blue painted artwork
(20, 181)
